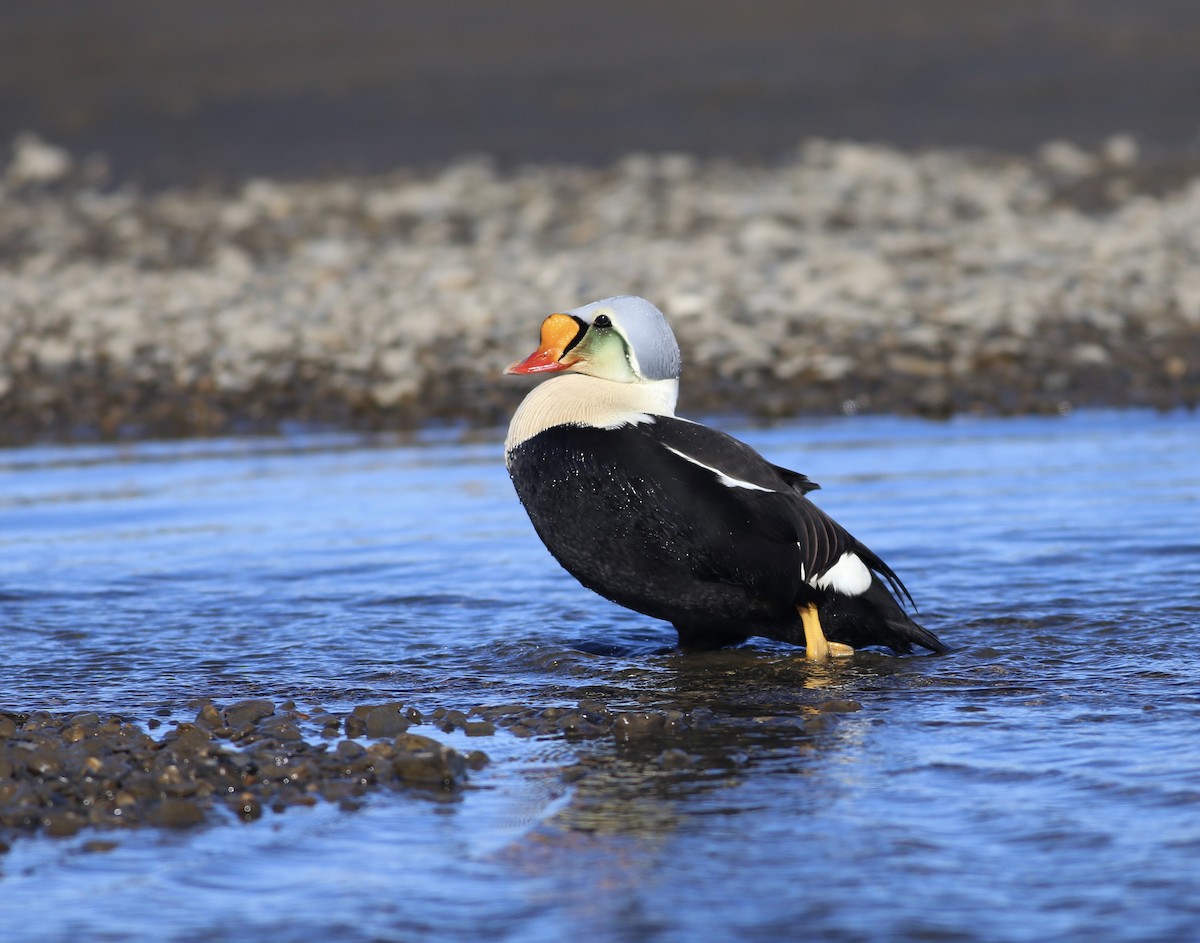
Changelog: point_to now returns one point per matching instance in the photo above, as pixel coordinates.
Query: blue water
(1042, 782)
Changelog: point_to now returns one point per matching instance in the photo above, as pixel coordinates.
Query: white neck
(576, 399)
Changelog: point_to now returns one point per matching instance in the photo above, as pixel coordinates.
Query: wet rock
(244, 713)
(60, 824)
(580, 725)
(448, 719)
(190, 739)
(500, 710)
(435, 765)
(276, 765)
(411, 742)
(209, 716)
(477, 760)
(350, 750)
(177, 813)
(73, 733)
(335, 791)
(386, 720)
(247, 806)
(819, 724)
(634, 725)
(839, 706)
(42, 761)
(573, 774)
(282, 727)
(674, 758)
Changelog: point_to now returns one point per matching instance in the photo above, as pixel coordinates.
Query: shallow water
(1040, 782)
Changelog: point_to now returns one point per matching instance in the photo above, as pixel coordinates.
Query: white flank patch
(721, 476)
(849, 576)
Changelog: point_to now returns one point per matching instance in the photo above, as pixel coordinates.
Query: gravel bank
(847, 277)
(63, 773)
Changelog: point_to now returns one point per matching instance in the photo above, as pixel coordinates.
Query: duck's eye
(602, 320)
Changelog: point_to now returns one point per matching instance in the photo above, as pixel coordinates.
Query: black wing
(731, 456)
(758, 501)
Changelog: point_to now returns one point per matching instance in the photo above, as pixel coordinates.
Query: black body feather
(656, 516)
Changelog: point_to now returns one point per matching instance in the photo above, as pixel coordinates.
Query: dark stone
(386, 721)
(209, 716)
(442, 768)
(675, 758)
(189, 740)
(177, 813)
(843, 706)
(636, 725)
(247, 806)
(244, 713)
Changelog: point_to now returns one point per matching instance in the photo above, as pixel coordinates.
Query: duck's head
(625, 339)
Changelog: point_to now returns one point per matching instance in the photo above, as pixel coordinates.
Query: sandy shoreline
(845, 277)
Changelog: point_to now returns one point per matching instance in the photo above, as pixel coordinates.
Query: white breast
(576, 399)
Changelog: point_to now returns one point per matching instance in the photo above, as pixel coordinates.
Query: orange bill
(559, 332)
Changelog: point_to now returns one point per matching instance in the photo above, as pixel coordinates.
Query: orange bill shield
(559, 332)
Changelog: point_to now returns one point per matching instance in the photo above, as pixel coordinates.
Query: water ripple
(1038, 782)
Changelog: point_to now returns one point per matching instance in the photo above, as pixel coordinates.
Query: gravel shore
(60, 773)
(846, 277)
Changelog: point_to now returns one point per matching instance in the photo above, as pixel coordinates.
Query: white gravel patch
(848, 275)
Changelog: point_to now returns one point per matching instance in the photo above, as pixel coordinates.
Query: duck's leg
(816, 646)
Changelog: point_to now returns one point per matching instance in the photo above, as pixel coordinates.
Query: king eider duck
(676, 520)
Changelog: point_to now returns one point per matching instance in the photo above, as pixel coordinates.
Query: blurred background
(224, 89)
(225, 216)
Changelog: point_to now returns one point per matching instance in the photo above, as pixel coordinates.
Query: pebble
(386, 720)
(637, 725)
(933, 282)
(674, 758)
(839, 706)
(245, 713)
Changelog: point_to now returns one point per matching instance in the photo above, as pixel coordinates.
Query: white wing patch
(724, 479)
(849, 576)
